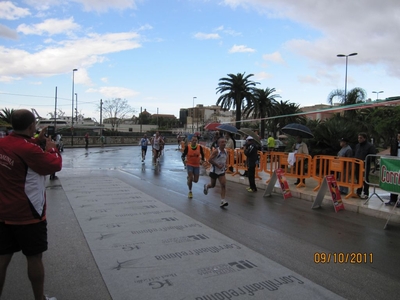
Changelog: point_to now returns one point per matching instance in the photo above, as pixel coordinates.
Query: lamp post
(193, 115)
(76, 108)
(345, 80)
(72, 112)
(377, 94)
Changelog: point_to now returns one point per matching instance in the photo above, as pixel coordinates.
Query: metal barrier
(368, 159)
(349, 172)
(279, 160)
(207, 154)
(231, 161)
(240, 161)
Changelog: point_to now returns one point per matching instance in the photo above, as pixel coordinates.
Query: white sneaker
(50, 298)
(223, 203)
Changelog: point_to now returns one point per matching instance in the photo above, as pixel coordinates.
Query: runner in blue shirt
(144, 142)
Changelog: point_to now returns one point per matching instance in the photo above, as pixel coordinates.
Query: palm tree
(235, 89)
(354, 96)
(5, 115)
(261, 106)
(284, 113)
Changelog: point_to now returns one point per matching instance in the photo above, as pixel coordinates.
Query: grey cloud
(8, 33)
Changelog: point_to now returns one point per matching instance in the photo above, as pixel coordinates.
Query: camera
(51, 130)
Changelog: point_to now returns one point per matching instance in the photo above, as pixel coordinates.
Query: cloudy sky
(160, 54)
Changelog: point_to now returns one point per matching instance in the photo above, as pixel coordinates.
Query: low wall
(79, 141)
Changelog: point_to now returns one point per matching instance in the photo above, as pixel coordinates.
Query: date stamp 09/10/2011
(343, 258)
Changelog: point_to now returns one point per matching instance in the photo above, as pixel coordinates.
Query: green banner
(390, 174)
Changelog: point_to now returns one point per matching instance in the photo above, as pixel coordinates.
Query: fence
(349, 172)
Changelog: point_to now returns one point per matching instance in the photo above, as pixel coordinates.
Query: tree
(285, 113)
(235, 89)
(328, 132)
(115, 110)
(262, 106)
(354, 96)
(5, 115)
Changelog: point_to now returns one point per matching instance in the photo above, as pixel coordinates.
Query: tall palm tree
(354, 96)
(261, 106)
(284, 113)
(235, 89)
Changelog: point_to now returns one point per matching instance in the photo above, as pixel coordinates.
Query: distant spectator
(364, 148)
(300, 148)
(345, 151)
(86, 140)
(271, 143)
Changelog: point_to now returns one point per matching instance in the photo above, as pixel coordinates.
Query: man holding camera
(23, 169)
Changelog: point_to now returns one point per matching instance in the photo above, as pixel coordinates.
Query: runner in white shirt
(218, 160)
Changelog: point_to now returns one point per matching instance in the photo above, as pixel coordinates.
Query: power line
(48, 97)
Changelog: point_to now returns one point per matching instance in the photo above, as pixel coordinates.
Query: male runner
(194, 156)
(218, 160)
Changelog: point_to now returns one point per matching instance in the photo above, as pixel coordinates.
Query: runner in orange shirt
(192, 156)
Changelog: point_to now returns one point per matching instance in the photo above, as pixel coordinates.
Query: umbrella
(295, 129)
(247, 131)
(227, 128)
(212, 126)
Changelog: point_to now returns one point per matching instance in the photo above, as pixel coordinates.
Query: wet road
(287, 232)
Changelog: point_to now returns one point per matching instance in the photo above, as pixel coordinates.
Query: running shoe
(223, 203)
(50, 298)
(248, 188)
(205, 190)
(190, 195)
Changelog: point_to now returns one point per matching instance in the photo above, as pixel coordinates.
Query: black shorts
(30, 238)
(215, 176)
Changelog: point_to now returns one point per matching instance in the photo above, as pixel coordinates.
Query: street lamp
(76, 108)
(345, 80)
(377, 94)
(72, 112)
(193, 115)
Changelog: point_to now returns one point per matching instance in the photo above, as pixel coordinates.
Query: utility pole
(101, 114)
(55, 111)
(76, 108)
(140, 119)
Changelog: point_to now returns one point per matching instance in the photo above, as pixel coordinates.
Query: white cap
(249, 138)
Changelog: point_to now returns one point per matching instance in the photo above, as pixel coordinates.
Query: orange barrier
(231, 161)
(239, 161)
(349, 172)
(260, 167)
(207, 154)
(279, 160)
(343, 168)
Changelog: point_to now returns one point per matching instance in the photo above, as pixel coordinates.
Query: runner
(144, 142)
(218, 160)
(195, 156)
(156, 143)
